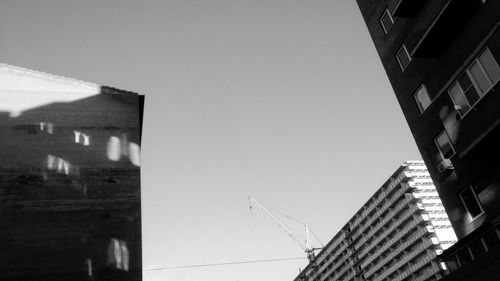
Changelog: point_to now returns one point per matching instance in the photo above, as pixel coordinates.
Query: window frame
(386, 12)
(471, 188)
(477, 88)
(417, 101)
(401, 67)
(439, 147)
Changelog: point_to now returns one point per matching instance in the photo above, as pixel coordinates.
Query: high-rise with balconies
(396, 235)
(442, 59)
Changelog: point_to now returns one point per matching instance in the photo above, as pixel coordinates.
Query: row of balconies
(384, 192)
(434, 210)
(399, 223)
(334, 247)
(367, 212)
(349, 276)
(387, 203)
(332, 271)
(399, 246)
(433, 203)
(404, 203)
(407, 258)
(346, 276)
(420, 173)
(397, 220)
(427, 190)
(331, 267)
(334, 254)
(426, 273)
(431, 200)
(426, 261)
(343, 271)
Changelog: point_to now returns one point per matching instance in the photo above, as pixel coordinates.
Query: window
(403, 57)
(386, 21)
(471, 203)
(479, 77)
(444, 146)
(422, 98)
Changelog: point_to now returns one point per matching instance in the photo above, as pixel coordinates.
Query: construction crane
(306, 247)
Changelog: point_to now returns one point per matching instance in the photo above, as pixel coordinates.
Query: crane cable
(288, 217)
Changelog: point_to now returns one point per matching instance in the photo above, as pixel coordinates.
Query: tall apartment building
(442, 59)
(396, 235)
(69, 179)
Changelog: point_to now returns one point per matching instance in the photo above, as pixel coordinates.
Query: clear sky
(285, 100)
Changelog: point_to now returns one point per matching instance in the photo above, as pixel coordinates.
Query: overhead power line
(220, 264)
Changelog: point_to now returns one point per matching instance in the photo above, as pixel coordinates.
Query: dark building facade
(69, 179)
(442, 59)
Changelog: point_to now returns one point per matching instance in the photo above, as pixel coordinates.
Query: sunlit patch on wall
(24, 89)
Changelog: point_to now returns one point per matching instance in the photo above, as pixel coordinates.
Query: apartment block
(396, 235)
(69, 179)
(442, 59)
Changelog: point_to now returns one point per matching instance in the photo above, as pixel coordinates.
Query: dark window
(403, 57)
(471, 202)
(386, 21)
(444, 146)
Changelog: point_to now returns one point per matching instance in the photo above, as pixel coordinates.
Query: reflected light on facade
(118, 256)
(61, 166)
(89, 267)
(114, 149)
(51, 162)
(134, 154)
(82, 138)
(121, 147)
(46, 127)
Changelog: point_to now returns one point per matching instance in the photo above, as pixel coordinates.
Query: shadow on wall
(70, 189)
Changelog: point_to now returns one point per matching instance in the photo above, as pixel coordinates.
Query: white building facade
(395, 236)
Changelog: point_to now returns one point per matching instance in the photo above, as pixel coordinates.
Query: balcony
(408, 8)
(446, 27)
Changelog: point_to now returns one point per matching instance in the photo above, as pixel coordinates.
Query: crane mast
(305, 247)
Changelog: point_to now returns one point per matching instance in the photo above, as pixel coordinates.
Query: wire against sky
(221, 264)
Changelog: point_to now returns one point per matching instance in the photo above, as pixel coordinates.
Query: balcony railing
(408, 8)
(445, 28)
